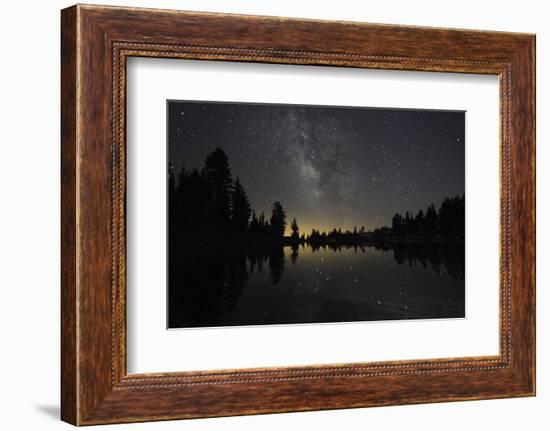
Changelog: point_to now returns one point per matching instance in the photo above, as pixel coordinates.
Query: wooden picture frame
(95, 43)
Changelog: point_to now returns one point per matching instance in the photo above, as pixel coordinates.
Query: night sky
(328, 166)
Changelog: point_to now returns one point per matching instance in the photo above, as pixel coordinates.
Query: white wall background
(29, 227)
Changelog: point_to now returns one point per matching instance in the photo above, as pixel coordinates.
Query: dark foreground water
(286, 285)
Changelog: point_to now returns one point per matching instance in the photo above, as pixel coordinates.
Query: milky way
(329, 166)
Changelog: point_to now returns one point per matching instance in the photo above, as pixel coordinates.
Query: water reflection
(326, 283)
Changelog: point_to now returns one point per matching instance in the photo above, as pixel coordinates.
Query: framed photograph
(266, 215)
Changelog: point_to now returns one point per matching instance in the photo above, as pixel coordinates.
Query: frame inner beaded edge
(119, 378)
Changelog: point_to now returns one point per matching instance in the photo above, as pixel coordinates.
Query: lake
(301, 284)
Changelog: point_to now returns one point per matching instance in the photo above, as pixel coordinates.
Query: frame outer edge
(532, 101)
(69, 202)
(533, 53)
(524, 216)
(530, 62)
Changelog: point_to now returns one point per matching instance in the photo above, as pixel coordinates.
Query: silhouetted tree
(172, 234)
(171, 185)
(217, 176)
(254, 226)
(191, 202)
(295, 229)
(278, 219)
(171, 199)
(264, 225)
(240, 207)
(451, 216)
(419, 221)
(397, 223)
(430, 221)
(408, 227)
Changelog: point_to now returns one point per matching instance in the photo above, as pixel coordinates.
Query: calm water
(302, 285)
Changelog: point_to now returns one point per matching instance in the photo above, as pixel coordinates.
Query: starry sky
(329, 166)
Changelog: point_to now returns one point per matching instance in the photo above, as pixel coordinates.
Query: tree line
(210, 202)
(336, 236)
(447, 221)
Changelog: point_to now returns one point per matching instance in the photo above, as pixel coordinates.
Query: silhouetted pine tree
(191, 202)
(278, 219)
(419, 222)
(171, 185)
(397, 223)
(431, 219)
(240, 207)
(171, 199)
(263, 225)
(451, 216)
(295, 229)
(254, 225)
(217, 176)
